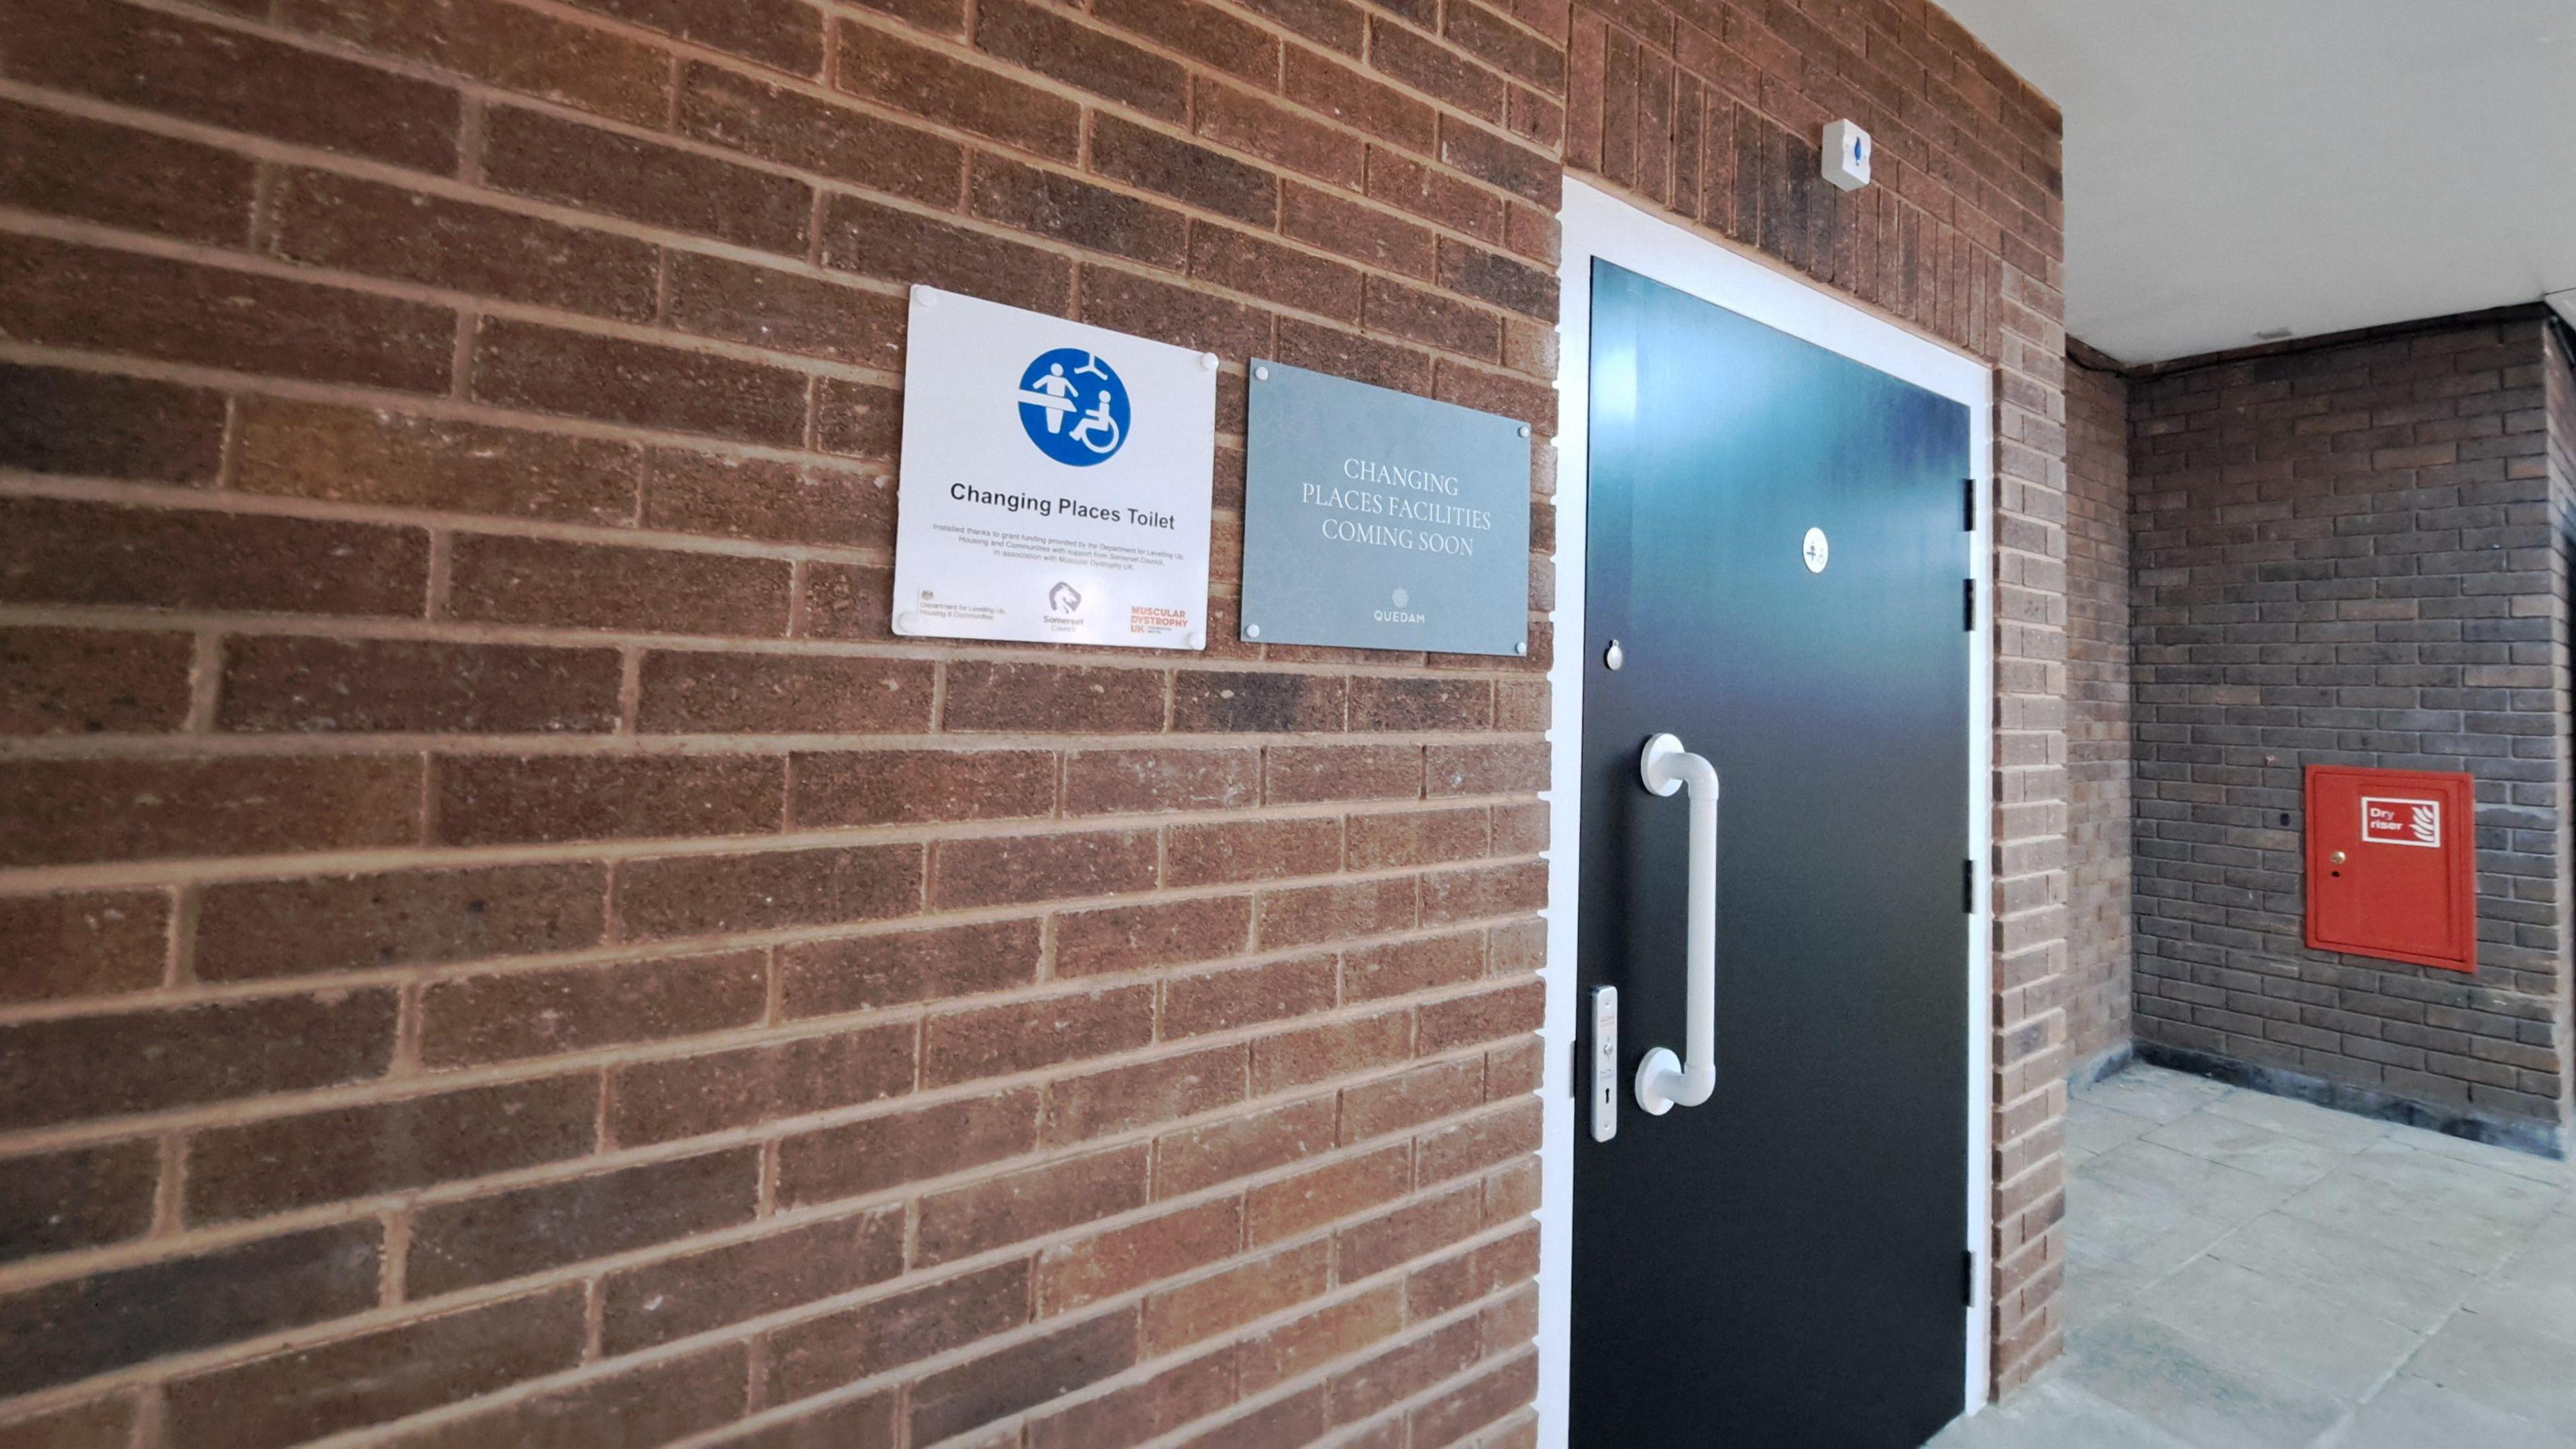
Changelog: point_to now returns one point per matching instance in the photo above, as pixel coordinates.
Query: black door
(1781, 1265)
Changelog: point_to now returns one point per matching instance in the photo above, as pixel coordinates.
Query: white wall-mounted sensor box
(1846, 156)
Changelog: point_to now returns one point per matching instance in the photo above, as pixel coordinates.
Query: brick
(1205, 1154)
(511, 1015)
(1491, 890)
(708, 895)
(551, 159)
(1360, 101)
(82, 1197)
(1401, 968)
(258, 930)
(765, 499)
(1480, 1401)
(510, 1234)
(1247, 995)
(908, 1146)
(92, 681)
(1142, 1410)
(782, 34)
(1395, 1104)
(880, 787)
(869, 1422)
(1256, 700)
(1383, 703)
(784, 311)
(1335, 1049)
(1281, 135)
(284, 1163)
(56, 420)
(1348, 354)
(292, 449)
(868, 973)
(97, 810)
(943, 17)
(1306, 915)
(1117, 782)
(235, 79)
(1329, 1193)
(1068, 209)
(1431, 318)
(1521, 829)
(1093, 1105)
(1280, 1424)
(60, 294)
(58, 551)
(1327, 22)
(845, 601)
(1484, 1016)
(505, 799)
(827, 1352)
(1082, 1272)
(676, 1297)
(324, 219)
(1415, 837)
(83, 943)
(98, 1424)
(857, 419)
(956, 1399)
(660, 1401)
(1265, 269)
(1433, 195)
(1437, 70)
(379, 1376)
(598, 586)
(1041, 39)
(1178, 315)
(68, 166)
(1013, 1208)
(1186, 172)
(506, 46)
(1012, 869)
(1196, 1311)
(1251, 850)
(1205, 33)
(1052, 698)
(938, 87)
(699, 692)
(1335, 1331)
(407, 686)
(1460, 1279)
(790, 128)
(1300, 774)
(1480, 153)
(77, 1327)
(1409, 1232)
(663, 1101)
(1168, 933)
(1489, 1141)
(612, 379)
(903, 246)
(990, 1041)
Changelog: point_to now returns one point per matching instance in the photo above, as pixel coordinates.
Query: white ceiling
(2238, 166)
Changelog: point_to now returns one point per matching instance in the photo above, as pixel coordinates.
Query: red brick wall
(2097, 719)
(1711, 112)
(504, 945)
(2353, 551)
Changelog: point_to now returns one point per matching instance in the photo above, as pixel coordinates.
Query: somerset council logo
(1074, 407)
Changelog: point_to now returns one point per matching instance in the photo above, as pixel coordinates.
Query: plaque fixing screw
(1521, 648)
(1525, 430)
(1614, 656)
(1251, 631)
(1261, 374)
(907, 622)
(1207, 362)
(924, 295)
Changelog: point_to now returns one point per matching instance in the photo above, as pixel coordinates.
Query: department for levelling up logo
(1074, 407)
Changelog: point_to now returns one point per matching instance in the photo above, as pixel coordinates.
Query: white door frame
(1598, 224)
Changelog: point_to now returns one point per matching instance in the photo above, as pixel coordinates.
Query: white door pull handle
(1665, 1080)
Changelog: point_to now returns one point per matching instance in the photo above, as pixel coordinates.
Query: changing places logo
(1074, 407)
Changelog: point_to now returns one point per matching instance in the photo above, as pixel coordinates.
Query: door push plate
(1605, 1063)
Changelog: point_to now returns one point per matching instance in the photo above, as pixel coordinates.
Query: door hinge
(1968, 505)
(1968, 1277)
(1968, 886)
(1968, 616)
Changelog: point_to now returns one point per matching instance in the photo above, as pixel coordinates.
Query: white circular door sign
(1817, 551)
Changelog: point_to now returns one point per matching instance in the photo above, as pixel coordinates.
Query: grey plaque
(1375, 519)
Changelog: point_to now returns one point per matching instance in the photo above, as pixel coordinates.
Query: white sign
(2386, 821)
(1056, 480)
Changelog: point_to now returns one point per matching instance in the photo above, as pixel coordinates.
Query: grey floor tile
(2096, 1289)
(2249, 1147)
(2190, 1388)
(2280, 1327)
(2183, 1182)
(2504, 1367)
(2117, 1221)
(2154, 1093)
(2092, 1129)
(2547, 1171)
(2050, 1413)
(2305, 1120)
(2454, 1213)
(2402, 1287)
(2412, 1413)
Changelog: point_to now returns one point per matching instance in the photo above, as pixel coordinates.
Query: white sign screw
(1261, 374)
(1251, 631)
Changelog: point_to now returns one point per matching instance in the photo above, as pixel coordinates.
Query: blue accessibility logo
(1073, 406)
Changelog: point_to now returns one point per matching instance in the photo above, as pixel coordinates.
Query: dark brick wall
(2352, 553)
(2097, 718)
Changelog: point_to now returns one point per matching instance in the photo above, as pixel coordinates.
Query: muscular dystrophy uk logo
(1073, 406)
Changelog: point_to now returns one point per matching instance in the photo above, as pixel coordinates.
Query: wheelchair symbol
(1074, 407)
